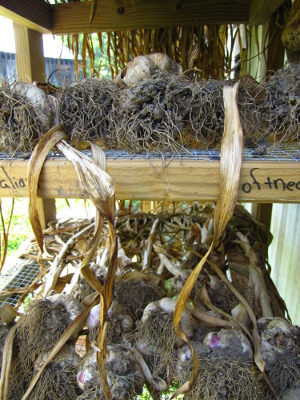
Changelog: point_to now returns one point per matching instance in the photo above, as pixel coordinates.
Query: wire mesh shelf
(286, 153)
(20, 275)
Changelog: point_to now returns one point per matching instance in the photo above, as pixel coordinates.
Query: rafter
(130, 15)
(261, 10)
(111, 15)
(33, 14)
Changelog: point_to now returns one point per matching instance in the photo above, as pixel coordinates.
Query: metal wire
(286, 153)
(18, 276)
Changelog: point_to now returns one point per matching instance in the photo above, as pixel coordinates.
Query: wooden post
(274, 61)
(31, 67)
(264, 213)
(29, 54)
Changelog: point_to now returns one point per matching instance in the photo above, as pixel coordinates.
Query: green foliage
(164, 396)
(20, 229)
(14, 242)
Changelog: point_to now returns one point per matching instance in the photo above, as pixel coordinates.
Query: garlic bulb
(165, 63)
(124, 375)
(72, 306)
(143, 67)
(231, 342)
(65, 356)
(138, 69)
(115, 312)
(168, 305)
(44, 106)
(278, 336)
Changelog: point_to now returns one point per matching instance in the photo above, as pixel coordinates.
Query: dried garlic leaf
(35, 165)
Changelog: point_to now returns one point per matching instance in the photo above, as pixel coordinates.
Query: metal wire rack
(282, 154)
(286, 153)
(22, 274)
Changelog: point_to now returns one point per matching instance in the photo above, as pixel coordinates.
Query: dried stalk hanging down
(201, 50)
(205, 51)
(6, 363)
(5, 231)
(230, 167)
(100, 188)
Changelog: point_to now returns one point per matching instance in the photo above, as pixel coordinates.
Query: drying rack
(191, 175)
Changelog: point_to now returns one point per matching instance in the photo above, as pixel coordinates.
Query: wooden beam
(140, 179)
(261, 10)
(33, 14)
(111, 15)
(127, 14)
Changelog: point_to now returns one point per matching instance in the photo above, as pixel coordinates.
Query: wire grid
(22, 278)
(282, 154)
(286, 153)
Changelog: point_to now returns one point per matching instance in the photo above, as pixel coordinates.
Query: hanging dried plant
(100, 188)
(4, 233)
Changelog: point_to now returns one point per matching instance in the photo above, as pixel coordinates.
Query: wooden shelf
(147, 179)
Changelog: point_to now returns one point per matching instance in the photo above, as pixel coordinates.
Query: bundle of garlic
(26, 114)
(157, 254)
(280, 349)
(84, 109)
(59, 379)
(157, 340)
(43, 323)
(224, 370)
(124, 375)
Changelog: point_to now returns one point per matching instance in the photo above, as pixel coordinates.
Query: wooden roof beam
(112, 15)
(261, 10)
(33, 14)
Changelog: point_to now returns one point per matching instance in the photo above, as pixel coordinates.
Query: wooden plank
(130, 15)
(141, 179)
(261, 10)
(33, 14)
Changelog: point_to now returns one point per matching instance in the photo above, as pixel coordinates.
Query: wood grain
(127, 14)
(130, 15)
(33, 14)
(140, 179)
